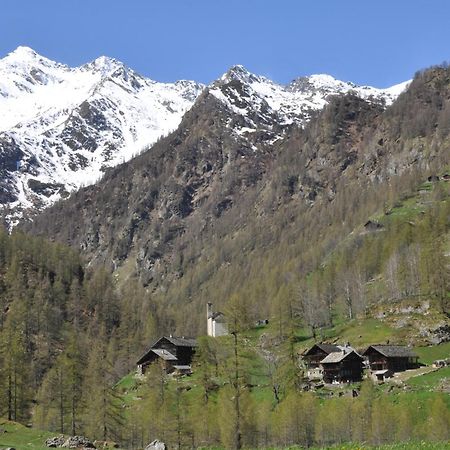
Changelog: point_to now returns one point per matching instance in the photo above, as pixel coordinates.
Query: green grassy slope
(21, 438)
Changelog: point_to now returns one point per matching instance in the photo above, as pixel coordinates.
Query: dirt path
(407, 374)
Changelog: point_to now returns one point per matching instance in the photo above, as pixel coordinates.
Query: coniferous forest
(366, 259)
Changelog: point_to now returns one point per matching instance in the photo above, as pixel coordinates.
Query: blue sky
(376, 42)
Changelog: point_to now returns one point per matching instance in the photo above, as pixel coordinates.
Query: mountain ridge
(66, 125)
(62, 127)
(203, 180)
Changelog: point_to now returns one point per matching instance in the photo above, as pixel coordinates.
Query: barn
(394, 358)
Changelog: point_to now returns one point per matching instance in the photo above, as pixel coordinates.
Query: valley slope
(242, 200)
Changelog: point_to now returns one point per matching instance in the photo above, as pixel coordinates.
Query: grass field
(23, 438)
(20, 437)
(431, 353)
(431, 380)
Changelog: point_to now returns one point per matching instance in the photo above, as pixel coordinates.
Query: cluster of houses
(328, 363)
(332, 363)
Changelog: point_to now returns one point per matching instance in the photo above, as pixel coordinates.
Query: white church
(216, 324)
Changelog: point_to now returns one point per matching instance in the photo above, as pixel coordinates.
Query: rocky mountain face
(61, 128)
(227, 161)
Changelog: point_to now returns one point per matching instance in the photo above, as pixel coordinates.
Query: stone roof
(177, 341)
(393, 351)
(181, 341)
(336, 357)
(217, 314)
(164, 354)
(327, 348)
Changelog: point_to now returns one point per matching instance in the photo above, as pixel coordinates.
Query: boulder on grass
(55, 441)
(156, 445)
(78, 442)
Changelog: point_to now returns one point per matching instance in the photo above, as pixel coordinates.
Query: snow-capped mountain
(247, 94)
(62, 127)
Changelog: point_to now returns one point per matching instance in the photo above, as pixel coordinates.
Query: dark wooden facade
(170, 351)
(317, 352)
(341, 367)
(395, 358)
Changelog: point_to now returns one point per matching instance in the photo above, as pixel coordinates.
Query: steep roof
(217, 314)
(164, 354)
(336, 357)
(177, 341)
(181, 341)
(327, 348)
(393, 351)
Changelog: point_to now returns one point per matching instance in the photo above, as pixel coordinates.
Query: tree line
(67, 334)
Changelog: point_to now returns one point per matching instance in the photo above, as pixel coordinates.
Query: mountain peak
(23, 57)
(105, 65)
(22, 51)
(22, 54)
(240, 73)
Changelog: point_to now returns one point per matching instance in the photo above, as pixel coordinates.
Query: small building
(174, 353)
(313, 358)
(395, 358)
(342, 367)
(215, 322)
(382, 375)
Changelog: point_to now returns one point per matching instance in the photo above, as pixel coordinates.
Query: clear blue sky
(376, 42)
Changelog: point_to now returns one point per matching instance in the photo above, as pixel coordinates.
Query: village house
(314, 356)
(345, 366)
(215, 322)
(333, 363)
(385, 360)
(174, 353)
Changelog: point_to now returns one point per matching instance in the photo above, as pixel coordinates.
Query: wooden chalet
(393, 358)
(342, 367)
(314, 356)
(174, 353)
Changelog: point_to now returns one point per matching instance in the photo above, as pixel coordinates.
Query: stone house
(216, 324)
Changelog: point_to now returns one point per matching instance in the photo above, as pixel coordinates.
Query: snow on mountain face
(61, 127)
(247, 94)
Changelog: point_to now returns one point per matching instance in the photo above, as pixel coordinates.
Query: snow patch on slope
(245, 93)
(62, 127)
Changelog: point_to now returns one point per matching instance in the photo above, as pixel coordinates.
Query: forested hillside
(203, 214)
(343, 221)
(66, 335)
